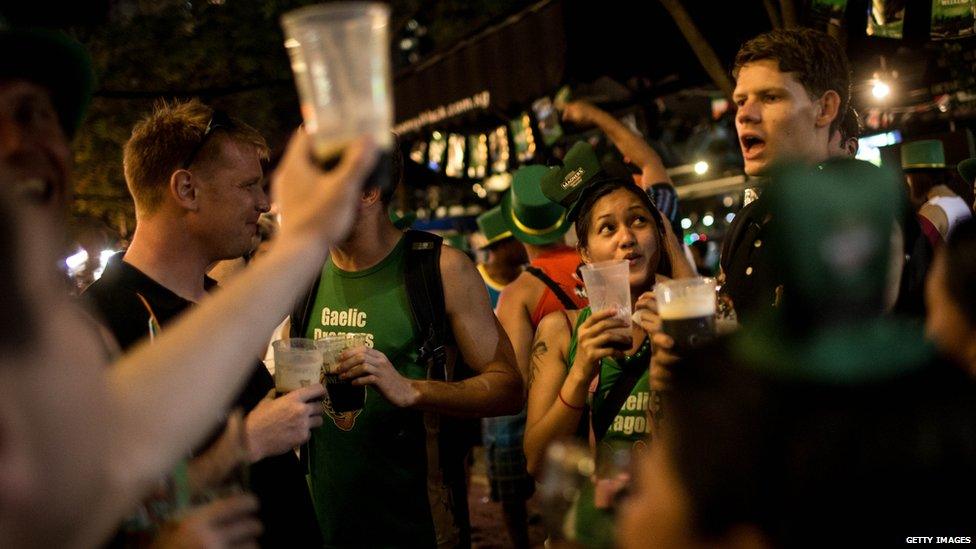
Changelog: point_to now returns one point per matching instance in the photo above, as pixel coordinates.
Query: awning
(498, 70)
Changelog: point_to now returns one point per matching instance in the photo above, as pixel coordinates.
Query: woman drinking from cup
(589, 372)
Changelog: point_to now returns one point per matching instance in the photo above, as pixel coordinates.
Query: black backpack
(425, 291)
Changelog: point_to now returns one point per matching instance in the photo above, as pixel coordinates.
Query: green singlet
(629, 431)
(369, 469)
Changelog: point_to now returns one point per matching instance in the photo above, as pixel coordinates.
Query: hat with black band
(530, 215)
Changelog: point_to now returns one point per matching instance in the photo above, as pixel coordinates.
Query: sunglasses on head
(218, 120)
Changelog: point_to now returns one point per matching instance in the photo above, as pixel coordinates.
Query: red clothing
(931, 233)
(559, 265)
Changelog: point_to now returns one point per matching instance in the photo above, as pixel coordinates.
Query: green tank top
(628, 431)
(369, 469)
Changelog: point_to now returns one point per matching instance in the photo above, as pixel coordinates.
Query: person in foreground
(826, 420)
(80, 443)
(580, 356)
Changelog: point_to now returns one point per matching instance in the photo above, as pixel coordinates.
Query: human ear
(183, 189)
(829, 108)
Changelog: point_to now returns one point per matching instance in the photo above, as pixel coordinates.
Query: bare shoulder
(460, 279)
(556, 325)
(525, 288)
(455, 262)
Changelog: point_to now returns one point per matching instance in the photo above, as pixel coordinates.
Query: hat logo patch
(849, 251)
(573, 178)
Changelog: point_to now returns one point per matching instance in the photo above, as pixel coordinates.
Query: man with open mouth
(792, 93)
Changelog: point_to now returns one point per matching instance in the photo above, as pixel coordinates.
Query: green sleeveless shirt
(629, 431)
(369, 468)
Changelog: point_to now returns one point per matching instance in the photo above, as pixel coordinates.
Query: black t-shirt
(278, 481)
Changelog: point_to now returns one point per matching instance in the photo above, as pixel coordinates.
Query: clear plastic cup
(687, 310)
(343, 395)
(340, 58)
(608, 287)
(298, 363)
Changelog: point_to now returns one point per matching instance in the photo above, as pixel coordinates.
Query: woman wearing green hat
(934, 191)
(577, 357)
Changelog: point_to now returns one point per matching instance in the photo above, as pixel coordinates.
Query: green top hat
(832, 248)
(565, 184)
(53, 60)
(532, 218)
(492, 225)
(967, 169)
(927, 154)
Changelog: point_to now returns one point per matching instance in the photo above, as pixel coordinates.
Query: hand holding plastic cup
(340, 58)
(343, 395)
(687, 310)
(298, 363)
(608, 287)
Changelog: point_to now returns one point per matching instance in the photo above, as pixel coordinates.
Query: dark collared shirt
(751, 279)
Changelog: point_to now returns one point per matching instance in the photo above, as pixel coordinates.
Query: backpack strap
(301, 313)
(618, 394)
(422, 276)
(567, 302)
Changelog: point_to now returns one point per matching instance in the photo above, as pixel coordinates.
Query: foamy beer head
(297, 364)
(687, 310)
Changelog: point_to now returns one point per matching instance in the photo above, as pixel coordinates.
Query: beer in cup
(297, 364)
(608, 287)
(687, 310)
(343, 395)
(340, 58)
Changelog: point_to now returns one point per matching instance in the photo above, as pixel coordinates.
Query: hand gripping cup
(297, 364)
(340, 58)
(608, 287)
(343, 395)
(687, 309)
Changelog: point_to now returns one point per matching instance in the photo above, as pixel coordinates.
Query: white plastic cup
(298, 363)
(608, 287)
(340, 58)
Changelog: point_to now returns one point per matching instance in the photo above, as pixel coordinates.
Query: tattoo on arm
(538, 349)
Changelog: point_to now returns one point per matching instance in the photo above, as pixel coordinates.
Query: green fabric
(926, 154)
(492, 225)
(368, 468)
(565, 184)
(629, 431)
(832, 237)
(530, 215)
(844, 354)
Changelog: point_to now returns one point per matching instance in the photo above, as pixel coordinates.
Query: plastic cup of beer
(298, 362)
(343, 395)
(687, 310)
(608, 287)
(340, 58)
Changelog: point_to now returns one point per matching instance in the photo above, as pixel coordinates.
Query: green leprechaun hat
(530, 215)
(967, 169)
(492, 225)
(565, 184)
(927, 154)
(832, 246)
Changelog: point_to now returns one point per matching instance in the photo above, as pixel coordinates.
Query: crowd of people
(835, 406)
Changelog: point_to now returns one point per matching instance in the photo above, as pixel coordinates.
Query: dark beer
(689, 333)
(343, 395)
(621, 345)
